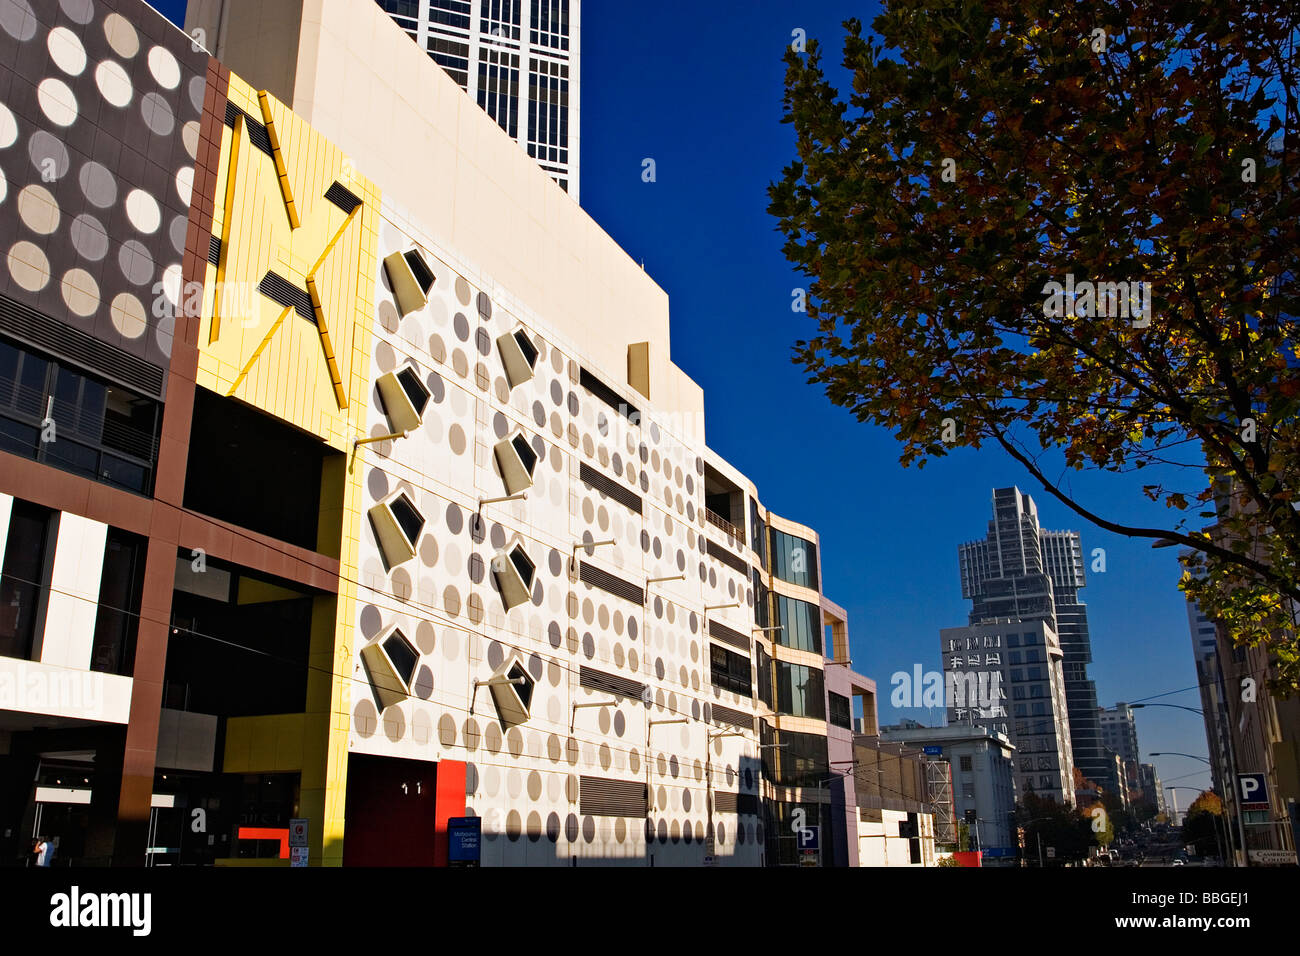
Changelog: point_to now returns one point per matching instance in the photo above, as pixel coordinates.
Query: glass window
(22, 580)
(966, 764)
(730, 670)
(800, 623)
(117, 621)
(799, 760)
(840, 710)
(756, 532)
(794, 559)
(800, 691)
(762, 611)
(764, 668)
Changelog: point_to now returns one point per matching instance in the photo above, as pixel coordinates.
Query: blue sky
(697, 88)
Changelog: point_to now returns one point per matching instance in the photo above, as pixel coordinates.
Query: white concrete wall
(73, 599)
(34, 687)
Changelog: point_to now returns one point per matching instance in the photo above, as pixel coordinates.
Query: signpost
(934, 750)
(1252, 788)
(809, 843)
(1273, 857)
(464, 841)
(297, 842)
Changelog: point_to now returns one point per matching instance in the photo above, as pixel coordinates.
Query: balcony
(715, 519)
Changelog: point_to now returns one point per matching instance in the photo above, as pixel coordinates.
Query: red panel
(390, 814)
(450, 803)
(267, 833)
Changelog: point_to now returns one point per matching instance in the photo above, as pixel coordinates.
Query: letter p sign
(1253, 790)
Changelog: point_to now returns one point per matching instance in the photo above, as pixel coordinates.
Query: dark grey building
(1022, 572)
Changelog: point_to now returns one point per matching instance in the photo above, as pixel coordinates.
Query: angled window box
(390, 661)
(405, 398)
(411, 279)
(518, 355)
(514, 701)
(514, 572)
(398, 525)
(517, 461)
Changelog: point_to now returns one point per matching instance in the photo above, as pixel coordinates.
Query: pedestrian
(44, 852)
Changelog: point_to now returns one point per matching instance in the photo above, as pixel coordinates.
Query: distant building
(1119, 730)
(896, 825)
(983, 794)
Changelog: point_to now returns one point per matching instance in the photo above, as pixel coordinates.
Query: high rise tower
(1019, 574)
(518, 59)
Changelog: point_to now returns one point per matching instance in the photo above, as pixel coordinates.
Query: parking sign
(1252, 788)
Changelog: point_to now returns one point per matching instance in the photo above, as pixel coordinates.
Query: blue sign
(808, 837)
(934, 750)
(1253, 789)
(999, 851)
(464, 838)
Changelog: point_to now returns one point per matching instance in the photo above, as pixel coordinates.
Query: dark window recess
(403, 656)
(121, 584)
(56, 338)
(227, 476)
(603, 797)
(757, 535)
(593, 679)
(609, 487)
(25, 576)
(523, 564)
(257, 134)
(763, 668)
(719, 553)
(410, 520)
(342, 197)
(214, 249)
(526, 347)
(610, 583)
(720, 632)
(97, 430)
(415, 390)
(418, 269)
(730, 671)
(801, 762)
(841, 711)
(608, 396)
(527, 457)
(731, 716)
(279, 289)
(525, 690)
(254, 635)
(725, 802)
(762, 607)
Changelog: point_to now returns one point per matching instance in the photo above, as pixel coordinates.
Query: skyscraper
(485, 46)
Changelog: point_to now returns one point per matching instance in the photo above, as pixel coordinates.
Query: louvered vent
(725, 635)
(616, 586)
(342, 197)
(720, 553)
(736, 718)
(724, 802)
(607, 395)
(214, 250)
(603, 797)
(609, 487)
(593, 679)
(63, 341)
(280, 289)
(257, 134)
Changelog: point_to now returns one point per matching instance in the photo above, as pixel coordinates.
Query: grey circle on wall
(98, 184)
(89, 237)
(48, 152)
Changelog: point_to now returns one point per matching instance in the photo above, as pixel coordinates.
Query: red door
(391, 817)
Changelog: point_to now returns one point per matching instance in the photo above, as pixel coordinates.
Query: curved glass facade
(794, 559)
(800, 623)
(800, 691)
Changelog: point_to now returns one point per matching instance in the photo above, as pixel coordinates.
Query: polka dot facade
(98, 136)
(524, 779)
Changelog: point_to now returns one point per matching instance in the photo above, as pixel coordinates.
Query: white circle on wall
(121, 36)
(190, 137)
(38, 209)
(4, 186)
(8, 128)
(80, 292)
(128, 315)
(66, 51)
(164, 68)
(28, 266)
(57, 101)
(113, 83)
(143, 212)
(185, 184)
(171, 283)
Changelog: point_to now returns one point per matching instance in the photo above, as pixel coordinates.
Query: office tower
(518, 59)
(1119, 731)
(1021, 571)
(1013, 634)
(1209, 678)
